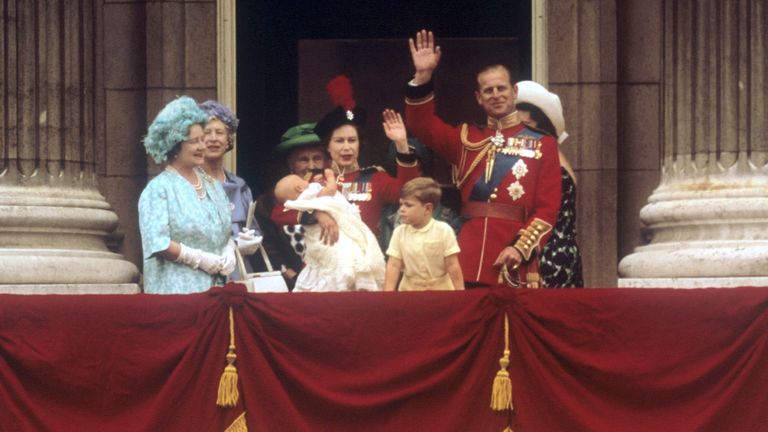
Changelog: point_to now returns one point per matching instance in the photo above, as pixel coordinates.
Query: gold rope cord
(501, 395)
(469, 144)
(228, 393)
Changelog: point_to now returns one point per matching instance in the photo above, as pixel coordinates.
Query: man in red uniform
(508, 174)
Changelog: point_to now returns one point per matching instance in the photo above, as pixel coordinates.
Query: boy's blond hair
(425, 189)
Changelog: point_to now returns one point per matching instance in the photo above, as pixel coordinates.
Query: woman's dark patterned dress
(560, 265)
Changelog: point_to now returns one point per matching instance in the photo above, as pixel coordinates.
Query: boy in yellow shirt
(425, 249)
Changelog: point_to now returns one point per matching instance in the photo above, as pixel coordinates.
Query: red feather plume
(340, 91)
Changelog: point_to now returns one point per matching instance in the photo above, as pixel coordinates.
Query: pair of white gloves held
(210, 263)
(248, 242)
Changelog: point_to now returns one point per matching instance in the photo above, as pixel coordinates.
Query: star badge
(520, 169)
(515, 190)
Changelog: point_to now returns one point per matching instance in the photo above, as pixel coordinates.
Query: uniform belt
(494, 210)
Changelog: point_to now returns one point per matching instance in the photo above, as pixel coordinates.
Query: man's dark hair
(493, 67)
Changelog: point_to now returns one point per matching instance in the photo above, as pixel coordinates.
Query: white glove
(228, 258)
(198, 259)
(248, 242)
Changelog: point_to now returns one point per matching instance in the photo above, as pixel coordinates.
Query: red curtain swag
(580, 360)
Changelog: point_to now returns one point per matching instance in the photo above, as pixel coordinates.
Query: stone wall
(582, 71)
(638, 116)
(152, 52)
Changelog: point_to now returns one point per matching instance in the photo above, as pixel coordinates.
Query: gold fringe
(239, 425)
(501, 395)
(228, 393)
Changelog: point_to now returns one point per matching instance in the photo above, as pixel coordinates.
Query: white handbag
(259, 282)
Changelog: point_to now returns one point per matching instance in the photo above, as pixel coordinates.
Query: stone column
(709, 216)
(53, 220)
(582, 61)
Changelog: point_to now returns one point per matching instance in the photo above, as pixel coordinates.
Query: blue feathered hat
(171, 126)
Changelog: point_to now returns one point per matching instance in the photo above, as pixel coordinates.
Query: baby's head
(289, 188)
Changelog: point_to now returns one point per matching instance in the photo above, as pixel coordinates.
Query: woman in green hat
(284, 243)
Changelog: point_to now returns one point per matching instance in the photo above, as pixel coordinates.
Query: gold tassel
(239, 425)
(228, 393)
(508, 429)
(501, 396)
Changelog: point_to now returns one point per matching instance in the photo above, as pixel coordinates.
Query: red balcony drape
(581, 360)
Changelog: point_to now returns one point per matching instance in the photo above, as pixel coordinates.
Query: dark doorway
(268, 38)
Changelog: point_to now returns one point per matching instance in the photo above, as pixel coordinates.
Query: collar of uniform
(507, 121)
(424, 228)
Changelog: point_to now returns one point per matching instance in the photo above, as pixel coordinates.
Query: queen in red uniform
(508, 174)
(370, 188)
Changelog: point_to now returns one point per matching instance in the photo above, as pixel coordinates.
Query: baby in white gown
(355, 261)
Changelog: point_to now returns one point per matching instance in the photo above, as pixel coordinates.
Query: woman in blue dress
(183, 213)
(219, 136)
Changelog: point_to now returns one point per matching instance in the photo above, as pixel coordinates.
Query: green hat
(302, 135)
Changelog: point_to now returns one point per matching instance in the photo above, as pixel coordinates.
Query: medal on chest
(357, 191)
(521, 146)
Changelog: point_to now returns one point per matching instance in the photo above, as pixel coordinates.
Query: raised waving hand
(425, 55)
(394, 128)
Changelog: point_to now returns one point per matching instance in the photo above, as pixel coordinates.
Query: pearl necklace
(198, 187)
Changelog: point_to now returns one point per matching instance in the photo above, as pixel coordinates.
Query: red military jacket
(510, 187)
(370, 188)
